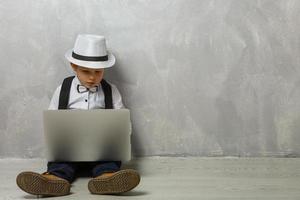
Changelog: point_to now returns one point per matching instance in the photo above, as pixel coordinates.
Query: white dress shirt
(86, 100)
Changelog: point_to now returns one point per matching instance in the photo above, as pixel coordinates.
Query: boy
(87, 90)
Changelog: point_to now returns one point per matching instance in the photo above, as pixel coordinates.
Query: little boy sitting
(87, 90)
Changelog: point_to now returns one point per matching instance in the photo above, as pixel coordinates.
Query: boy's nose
(92, 77)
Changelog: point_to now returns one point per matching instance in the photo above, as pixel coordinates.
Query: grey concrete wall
(201, 78)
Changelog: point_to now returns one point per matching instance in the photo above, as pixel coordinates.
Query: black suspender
(107, 94)
(65, 93)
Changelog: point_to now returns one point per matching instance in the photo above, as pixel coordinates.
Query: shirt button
(86, 100)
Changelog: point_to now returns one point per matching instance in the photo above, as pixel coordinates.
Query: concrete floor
(182, 178)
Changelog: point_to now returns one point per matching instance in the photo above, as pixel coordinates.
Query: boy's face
(88, 77)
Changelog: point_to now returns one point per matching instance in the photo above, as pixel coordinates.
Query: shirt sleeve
(117, 98)
(55, 99)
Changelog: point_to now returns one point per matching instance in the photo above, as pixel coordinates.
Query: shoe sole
(121, 181)
(36, 184)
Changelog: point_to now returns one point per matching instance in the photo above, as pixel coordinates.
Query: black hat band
(90, 58)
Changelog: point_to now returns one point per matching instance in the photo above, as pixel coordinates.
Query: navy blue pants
(70, 170)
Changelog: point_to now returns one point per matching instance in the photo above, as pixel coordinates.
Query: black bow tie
(82, 89)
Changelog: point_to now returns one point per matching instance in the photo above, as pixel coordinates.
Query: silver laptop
(87, 135)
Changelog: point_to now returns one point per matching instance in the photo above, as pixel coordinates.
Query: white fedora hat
(90, 51)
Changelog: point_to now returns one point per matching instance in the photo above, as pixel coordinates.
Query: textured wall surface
(200, 77)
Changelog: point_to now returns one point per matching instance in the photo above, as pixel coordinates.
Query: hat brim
(91, 64)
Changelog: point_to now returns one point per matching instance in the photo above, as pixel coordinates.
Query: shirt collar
(76, 81)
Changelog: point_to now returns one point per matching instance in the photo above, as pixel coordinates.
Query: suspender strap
(65, 93)
(107, 94)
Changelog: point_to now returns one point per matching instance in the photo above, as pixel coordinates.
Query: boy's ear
(74, 67)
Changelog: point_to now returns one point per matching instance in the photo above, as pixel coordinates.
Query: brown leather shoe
(43, 184)
(114, 183)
